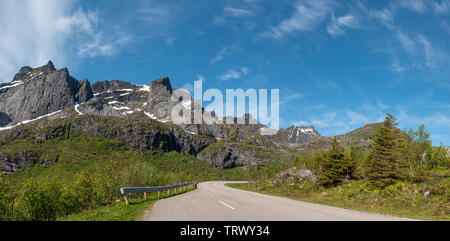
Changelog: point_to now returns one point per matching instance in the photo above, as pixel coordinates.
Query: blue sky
(338, 64)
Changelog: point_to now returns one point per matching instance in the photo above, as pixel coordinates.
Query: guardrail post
(168, 192)
(145, 195)
(126, 199)
(159, 193)
(184, 188)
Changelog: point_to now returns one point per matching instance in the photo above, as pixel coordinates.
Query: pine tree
(383, 158)
(335, 167)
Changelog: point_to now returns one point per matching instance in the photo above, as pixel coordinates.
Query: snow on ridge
(190, 132)
(29, 121)
(114, 102)
(13, 84)
(144, 88)
(150, 115)
(76, 109)
(121, 108)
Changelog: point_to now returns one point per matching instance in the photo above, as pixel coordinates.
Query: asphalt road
(213, 201)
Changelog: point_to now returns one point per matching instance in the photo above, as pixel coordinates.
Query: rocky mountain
(43, 104)
(36, 92)
(299, 134)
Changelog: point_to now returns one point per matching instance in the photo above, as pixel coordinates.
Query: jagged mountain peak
(165, 81)
(37, 92)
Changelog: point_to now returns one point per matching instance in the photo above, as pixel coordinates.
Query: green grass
(404, 201)
(119, 211)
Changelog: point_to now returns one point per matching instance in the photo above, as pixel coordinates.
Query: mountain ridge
(138, 115)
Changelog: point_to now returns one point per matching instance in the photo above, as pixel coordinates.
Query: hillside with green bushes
(86, 173)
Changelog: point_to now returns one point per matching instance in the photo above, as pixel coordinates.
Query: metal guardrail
(125, 191)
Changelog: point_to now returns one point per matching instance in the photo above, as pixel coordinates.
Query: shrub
(38, 201)
(5, 200)
(79, 195)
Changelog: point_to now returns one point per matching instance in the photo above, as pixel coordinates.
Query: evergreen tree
(383, 158)
(335, 167)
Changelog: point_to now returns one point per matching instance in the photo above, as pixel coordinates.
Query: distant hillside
(360, 138)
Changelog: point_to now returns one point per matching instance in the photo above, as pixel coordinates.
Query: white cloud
(301, 123)
(406, 42)
(237, 12)
(423, 53)
(428, 51)
(153, 14)
(224, 52)
(356, 118)
(335, 28)
(34, 32)
(385, 16)
(442, 7)
(100, 46)
(306, 17)
(418, 6)
(289, 98)
(170, 41)
(233, 74)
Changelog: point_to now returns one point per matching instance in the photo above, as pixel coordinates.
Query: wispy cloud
(307, 15)
(170, 41)
(237, 12)
(385, 16)
(233, 74)
(406, 42)
(418, 6)
(50, 29)
(155, 13)
(289, 98)
(335, 28)
(224, 52)
(420, 48)
(442, 7)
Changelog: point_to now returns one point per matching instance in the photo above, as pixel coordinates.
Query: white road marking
(226, 205)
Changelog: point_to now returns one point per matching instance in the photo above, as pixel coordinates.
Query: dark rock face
(299, 134)
(98, 107)
(10, 163)
(222, 155)
(4, 119)
(85, 92)
(110, 86)
(159, 102)
(36, 92)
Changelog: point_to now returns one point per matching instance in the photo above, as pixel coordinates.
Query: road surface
(213, 201)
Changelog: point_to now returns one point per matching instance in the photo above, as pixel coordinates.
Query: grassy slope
(119, 211)
(404, 200)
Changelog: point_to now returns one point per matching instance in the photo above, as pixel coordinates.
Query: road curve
(213, 201)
